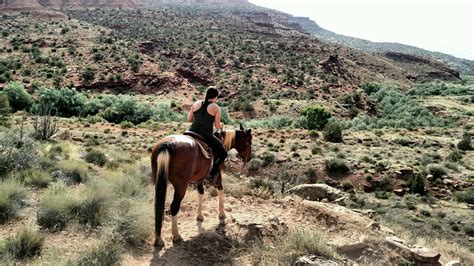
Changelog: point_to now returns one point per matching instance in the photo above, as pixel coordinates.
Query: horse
(179, 160)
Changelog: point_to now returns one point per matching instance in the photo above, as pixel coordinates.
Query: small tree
(44, 124)
(418, 185)
(465, 143)
(317, 117)
(88, 75)
(333, 132)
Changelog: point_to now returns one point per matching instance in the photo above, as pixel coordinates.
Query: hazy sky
(439, 25)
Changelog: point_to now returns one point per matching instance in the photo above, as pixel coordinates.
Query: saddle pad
(205, 149)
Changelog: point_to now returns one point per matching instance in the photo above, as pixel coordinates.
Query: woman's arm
(217, 120)
(191, 114)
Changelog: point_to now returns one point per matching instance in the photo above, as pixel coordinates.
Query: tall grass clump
(108, 252)
(24, 244)
(12, 194)
(56, 207)
(33, 177)
(92, 208)
(131, 223)
(465, 196)
(71, 172)
(286, 249)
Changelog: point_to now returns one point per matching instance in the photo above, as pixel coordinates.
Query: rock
(397, 243)
(405, 174)
(313, 260)
(399, 192)
(350, 248)
(470, 206)
(454, 263)
(448, 182)
(65, 135)
(77, 139)
(341, 201)
(425, 255)
(316, 192)
(373, 225)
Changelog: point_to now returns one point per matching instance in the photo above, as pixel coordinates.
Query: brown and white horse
(179, 160)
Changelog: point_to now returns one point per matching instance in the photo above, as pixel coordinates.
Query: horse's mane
(229, 139)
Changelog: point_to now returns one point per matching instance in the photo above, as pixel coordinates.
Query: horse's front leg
(220, 192)
(200, 189)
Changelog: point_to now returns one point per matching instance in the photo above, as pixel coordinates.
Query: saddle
(200, 141)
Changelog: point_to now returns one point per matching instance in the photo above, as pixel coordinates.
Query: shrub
(55, 208)
(33, 177)
(132, 224)
(44, 126)
(254, 164)
(437, 171)
(127, 108)
(4, 110)
(465, 143)
(371, 87)
(260, 183)
(267, 158)
(242, 104)
(316, 117)
(288, 246)
(454, 156)
(65, 102)
(106, 253)
(12, 193)
(16, 152)
(71, 172)
(337, 166)
(347, 185)
(93, 207)
(469, 229)
(465, 196)
(333, 132)
(18, 97)
(25, 244)
(88, 75)
(96, 157)
(418, 185)
(382, 195)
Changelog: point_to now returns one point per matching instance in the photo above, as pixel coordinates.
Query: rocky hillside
(41, 4)
(461, 65)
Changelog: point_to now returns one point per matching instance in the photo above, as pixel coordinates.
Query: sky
(438, 25)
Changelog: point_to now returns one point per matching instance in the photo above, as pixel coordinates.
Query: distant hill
(462, 65)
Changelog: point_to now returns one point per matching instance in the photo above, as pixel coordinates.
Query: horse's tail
(160, 169)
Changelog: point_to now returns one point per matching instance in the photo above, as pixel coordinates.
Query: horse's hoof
(159, 243)
(177, 239)
(222, 216)
(200, 218)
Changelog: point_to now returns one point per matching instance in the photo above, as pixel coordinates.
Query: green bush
(267, 158)
(242, 104)
(96, 157)
(12, 194)
(127, 108)
(254, 164)
(25, 244)
(18, 97)
(437, 171)
(371, 87)
(333, 132)
(71, 172)
(88, 75)
(65, 102)
(4, 110)
(396, 110)
(465, 143)
(92, 209)
(316, 117)
(469, 229)
(465, 196)
(454, 156)
(336, 166)
(55, 208)
(382, 195)
(106, 253)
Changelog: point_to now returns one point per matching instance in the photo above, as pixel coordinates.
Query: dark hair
(211, 93)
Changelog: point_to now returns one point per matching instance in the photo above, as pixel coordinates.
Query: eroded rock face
(19, 4)
(317, 192)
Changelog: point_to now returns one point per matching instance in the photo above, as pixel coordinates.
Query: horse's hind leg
(220, 192)
(179, 193)
(200, 189)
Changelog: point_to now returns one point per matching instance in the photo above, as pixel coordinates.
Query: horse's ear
(241, 127)
(249, 132)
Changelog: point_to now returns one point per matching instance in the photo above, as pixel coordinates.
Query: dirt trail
(217, 242)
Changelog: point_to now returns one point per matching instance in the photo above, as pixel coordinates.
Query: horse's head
(243, 143)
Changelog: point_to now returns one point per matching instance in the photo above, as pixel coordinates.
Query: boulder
(351, 247)
(316, 192)
(399, 192)
(454, 263)
(425, 255)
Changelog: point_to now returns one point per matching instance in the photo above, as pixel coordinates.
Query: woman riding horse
(179, 160)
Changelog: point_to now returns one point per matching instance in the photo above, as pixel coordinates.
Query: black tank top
(203, 121)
